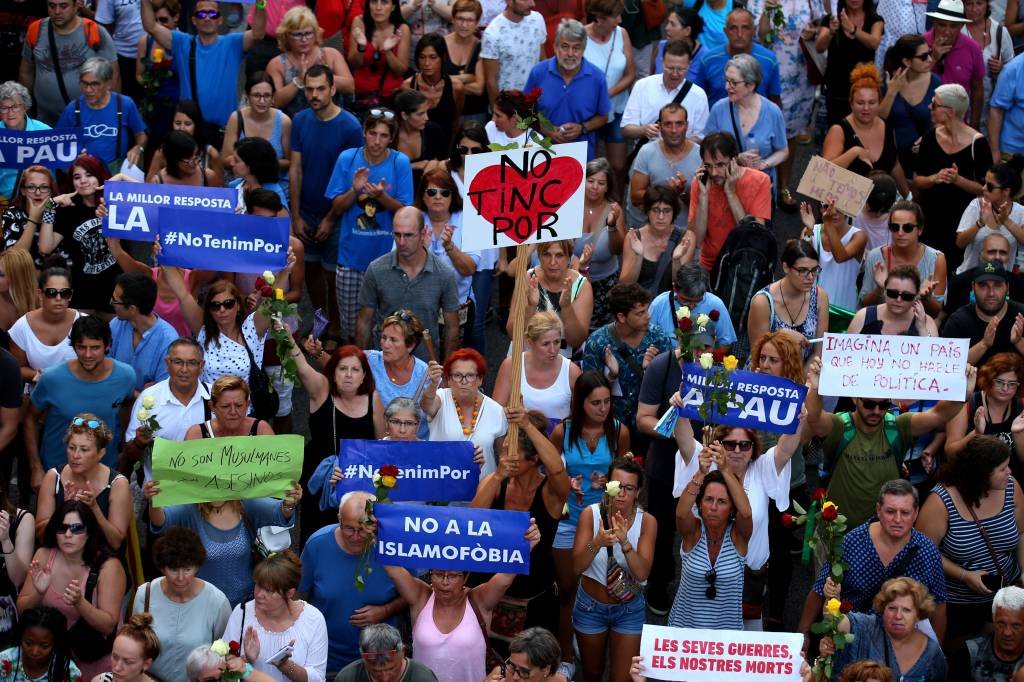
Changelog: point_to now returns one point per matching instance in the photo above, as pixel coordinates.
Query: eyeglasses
(91, 423)
(464, 150)
(938, 105)
(738, 445)
(262, 96)
(673, 69)
(351, 531)
(225, 305)
(734, 83)
(1003, 383)
(75, 528)
(45, 189)
(461, 378)
(383, 656)
(114, 301)
(403, 424)
(382, 113)
(191, 364)
(906, 227)
(433, 192)
(206, 14)
(301, 35)
(50, 292)
(445, 576)
(883, 405)
(926, 57)
(88, 85)
(193, 161)
(13, 107)
(662, 210)
(804, 272)
(711, 592)
(991, 187)
(901, 295)
(628, 488)
(516, 671)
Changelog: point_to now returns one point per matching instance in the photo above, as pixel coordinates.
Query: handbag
(654, 13)
(265, 400)
(620, 584)
(87, 645)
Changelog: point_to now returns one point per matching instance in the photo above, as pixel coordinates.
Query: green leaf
(799, 510)
(819, 628)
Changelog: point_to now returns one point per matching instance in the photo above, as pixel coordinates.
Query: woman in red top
(378, 53)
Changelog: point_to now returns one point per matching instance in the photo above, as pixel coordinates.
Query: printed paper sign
(230, 468)
(433, 471)
(720, 655)
(523, 196)
(453, 538)
(134, 208)
(230, 242)
(894, 367)
(51, 148)
(768, 403)
(826, 182)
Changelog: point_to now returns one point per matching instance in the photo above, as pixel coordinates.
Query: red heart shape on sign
(520, 200)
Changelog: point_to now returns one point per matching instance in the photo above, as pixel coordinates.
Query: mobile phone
(992, 582)
(320, 323)
(281, 654)
(702, 175)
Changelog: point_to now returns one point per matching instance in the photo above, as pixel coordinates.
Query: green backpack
(892, 436)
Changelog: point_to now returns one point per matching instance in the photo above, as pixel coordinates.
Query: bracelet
(248, 670)
(261, 4)
(591, 548)
(34, 222)
(297, 83)
(625, 550)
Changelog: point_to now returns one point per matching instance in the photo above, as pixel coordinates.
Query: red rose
(6, 666)
(819, 494)
(389, 470)
(260, 283)
(234, 648)
(787, 520)
(846, 606)
(266, 290)
(532, 96)
(685, 324)
(714, 315)
(718, 354)
(830, 513)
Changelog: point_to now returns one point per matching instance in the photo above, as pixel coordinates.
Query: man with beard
(319, 135)
(91, 382)
(994, 247)
(574, 93)
(993, 323)
(994, 657)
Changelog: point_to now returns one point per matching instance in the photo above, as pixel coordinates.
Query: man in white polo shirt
(650, 94)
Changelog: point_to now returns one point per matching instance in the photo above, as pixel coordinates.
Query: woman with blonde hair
(548, 377)
(17, 286)
(299, 36)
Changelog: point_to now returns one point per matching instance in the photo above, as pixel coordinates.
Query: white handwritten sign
(894, 367)
(827, 182)
(720, 655)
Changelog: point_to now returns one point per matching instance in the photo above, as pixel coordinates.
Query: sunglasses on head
(738, 445)
(51, 292)
(464, 150)
(883, 405)
(75, 528)
(902, 295)
(906, 227)
(206, 14)
(383, 656)
(91, 423)
(433, 192)
(226, 305)
(382, 113)
(711, 592)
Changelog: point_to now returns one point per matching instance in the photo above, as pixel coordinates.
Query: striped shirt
(965, 546)
(692, 608)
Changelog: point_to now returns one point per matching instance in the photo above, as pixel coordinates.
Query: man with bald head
(411, 277)
(995, 248)
(329, 562)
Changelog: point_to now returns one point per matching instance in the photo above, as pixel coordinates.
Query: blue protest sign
(769, 403)
(51, 148)
(452, 538)
(433, 471)
(133, 208)
(230, 242)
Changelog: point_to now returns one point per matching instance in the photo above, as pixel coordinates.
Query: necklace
(393, 379)
(803, 302)
(467, 430)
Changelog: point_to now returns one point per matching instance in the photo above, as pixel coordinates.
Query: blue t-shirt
(320, 143)
(708, 71)
(364, 231)
(767, 136)
(663, 315)
(147, 359)
(1009, 96)
(62, 395)
(584, 97)
(713, 36)
(100, 126)
(328, 577)
(216, 70)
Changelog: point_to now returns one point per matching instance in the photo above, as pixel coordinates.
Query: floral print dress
(797, 91)
(901, 17)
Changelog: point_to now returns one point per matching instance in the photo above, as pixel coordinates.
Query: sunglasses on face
(433, 192)
(926, 57)
(711, 592)
(50, 292)
(91, 423)
(75, 528)
(883, 405)
(738, 445)
(464, 150)
(229, 304)
(901, 295)
(992, 187)
(906, 227)
(207, 14)
(301, 35)
(165, 21)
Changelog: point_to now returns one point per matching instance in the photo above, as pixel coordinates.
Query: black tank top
(542, 565)
(873, 325)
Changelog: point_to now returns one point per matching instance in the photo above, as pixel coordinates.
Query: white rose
(143, 415)
(148, 402)
(268, 277)
(706, 360)
(702, 320)
(611, 489)
(220, 647)
(682, 312)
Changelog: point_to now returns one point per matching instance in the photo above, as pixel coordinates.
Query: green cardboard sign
(231, 468)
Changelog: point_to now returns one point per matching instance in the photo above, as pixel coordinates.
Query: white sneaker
(568, 669)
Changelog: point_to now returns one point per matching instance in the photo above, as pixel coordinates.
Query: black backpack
(745, 265)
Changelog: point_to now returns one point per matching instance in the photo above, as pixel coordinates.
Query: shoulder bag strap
(683, 92)
(735, 125)
(192, 72)
(665, 260)
(988, 542)
(145, 605)
(621, 346)
(241, 124)
(56, 62)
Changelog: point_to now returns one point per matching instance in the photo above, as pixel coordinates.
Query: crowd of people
(354, 121)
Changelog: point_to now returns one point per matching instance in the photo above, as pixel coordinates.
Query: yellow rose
(158, 54)
(268, 277)
(279, 294)
(148, 402)
(220, 647)
(730, 363)
(388, 481)
(832, 607)
(706, 360)
(143, 415)
(828, 505)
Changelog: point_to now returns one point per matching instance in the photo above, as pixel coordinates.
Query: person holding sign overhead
(450, 620)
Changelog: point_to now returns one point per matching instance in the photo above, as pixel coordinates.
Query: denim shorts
(565, 536)
(592, 617)
(612, 130)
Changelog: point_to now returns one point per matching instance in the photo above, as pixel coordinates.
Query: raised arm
(190, 309)
(161, 34)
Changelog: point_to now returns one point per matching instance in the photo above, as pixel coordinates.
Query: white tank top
(553, 401)
(598, 568)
